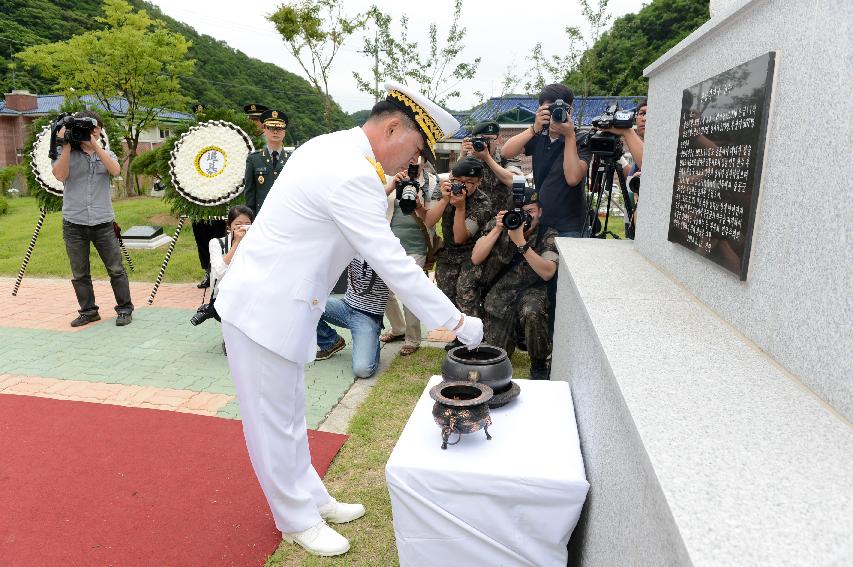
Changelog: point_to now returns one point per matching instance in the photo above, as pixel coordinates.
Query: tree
(614, 63)
(436, 72)
(577, 62)
(319, 28)
(134, 57)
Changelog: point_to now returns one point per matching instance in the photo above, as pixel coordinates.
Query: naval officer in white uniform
(327, 205)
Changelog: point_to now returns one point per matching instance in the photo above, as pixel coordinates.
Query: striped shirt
(366, 292)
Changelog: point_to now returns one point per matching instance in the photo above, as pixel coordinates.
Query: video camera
(605, 144)
(77, 130)
(407, 191)
(517, 216)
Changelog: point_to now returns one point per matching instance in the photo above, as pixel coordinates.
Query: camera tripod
(602, 181)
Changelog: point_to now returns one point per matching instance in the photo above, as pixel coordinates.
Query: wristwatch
(522, 249)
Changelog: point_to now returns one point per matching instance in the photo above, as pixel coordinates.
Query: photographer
(560, 165)
(85, 168)
(464, 209)
(560, 161)
(416, 239)
(222, 250)
(498, 173)
(634, 139)
(518, 264)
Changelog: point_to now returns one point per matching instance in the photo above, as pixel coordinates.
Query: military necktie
(274, 160)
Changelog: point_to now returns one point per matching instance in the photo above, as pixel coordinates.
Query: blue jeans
(365, 335)
(552, 286)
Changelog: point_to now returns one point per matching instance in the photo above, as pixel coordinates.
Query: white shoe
(319, 540)
(340, 513)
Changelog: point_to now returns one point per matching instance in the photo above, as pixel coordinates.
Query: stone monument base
(700, 449)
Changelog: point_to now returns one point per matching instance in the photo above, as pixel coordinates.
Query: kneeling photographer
(222, 250)
(84, 167)
(519, 256)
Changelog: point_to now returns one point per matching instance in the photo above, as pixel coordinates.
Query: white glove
(471, 332)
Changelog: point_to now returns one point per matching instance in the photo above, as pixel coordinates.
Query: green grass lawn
(49, 258)
(358, 472)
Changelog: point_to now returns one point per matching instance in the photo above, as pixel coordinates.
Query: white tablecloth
(510, 501)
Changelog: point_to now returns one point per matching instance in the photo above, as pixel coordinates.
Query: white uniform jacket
(327, 205)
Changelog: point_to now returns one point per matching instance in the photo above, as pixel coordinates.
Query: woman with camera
(222, 250)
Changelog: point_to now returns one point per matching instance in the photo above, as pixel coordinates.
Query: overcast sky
(498, 31)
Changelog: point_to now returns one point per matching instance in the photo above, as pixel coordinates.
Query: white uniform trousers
(271, 392)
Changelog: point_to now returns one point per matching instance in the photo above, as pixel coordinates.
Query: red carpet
(95, 484)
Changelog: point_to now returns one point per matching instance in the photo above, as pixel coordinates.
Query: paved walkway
(159, 361)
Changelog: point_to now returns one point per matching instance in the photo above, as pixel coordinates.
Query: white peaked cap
(434, 122)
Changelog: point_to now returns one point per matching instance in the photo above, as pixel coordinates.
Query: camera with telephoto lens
(634, 183)
(204, 312)
(517, 216)
(407, 191)
(559, 111)
(605, 144)
(457, 188)
(479, 143)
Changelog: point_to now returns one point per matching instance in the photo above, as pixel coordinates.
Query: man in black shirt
(560, 164)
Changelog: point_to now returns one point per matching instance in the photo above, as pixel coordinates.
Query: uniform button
(314, 302)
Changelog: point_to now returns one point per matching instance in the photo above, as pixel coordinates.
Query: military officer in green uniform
(463, 215)
(263, 166)
(518, 264)
(254, 111)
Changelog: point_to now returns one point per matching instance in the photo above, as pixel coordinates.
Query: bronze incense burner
(461, 407)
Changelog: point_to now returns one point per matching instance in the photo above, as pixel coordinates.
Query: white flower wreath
(42, 165)
(208, 162)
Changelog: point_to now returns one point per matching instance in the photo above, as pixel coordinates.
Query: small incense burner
(461, 407)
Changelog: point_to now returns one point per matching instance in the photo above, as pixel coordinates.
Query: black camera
(559, 111)
(479, 143)
(76, 130)
(407, 191)
(457, 188)
(517, 216)
(204, 312)
(605, 144)
(614, 118)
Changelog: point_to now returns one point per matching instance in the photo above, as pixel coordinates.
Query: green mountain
(224, 77)
(616, 61)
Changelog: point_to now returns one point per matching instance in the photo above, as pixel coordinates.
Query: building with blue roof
(20, 109)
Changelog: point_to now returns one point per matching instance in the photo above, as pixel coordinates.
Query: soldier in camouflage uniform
(497, 184)
(498, 173)
(263, 166)
(470, 210)
(518, 264)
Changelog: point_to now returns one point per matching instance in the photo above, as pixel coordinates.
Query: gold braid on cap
(428, 126)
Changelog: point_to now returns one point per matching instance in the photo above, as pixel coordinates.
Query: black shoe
(327, 353)
(539, 371)
(205, 283)
(123, 319)
(85, 320)
(453, 344)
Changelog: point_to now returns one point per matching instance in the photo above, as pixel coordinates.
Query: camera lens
(408, 200)
(513, 219)
(478, 145)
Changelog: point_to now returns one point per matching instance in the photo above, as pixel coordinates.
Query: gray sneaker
(123, 319)
(327, 353)
(85, 319)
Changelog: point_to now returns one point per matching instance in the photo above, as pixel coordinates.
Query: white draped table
(510, 501)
